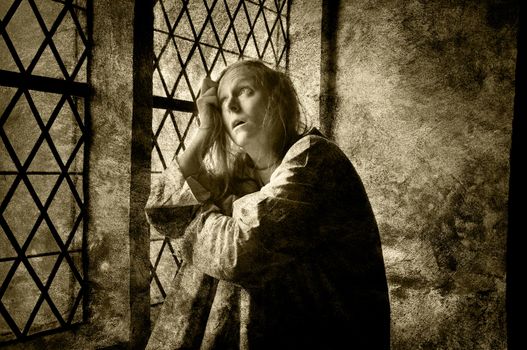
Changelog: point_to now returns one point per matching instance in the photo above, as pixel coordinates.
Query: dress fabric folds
(294, 264)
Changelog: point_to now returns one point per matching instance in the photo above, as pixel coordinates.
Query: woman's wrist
(204, 131)
(201, 141)
(190, 160)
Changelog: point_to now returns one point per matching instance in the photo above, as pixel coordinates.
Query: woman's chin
(240, 138)
(240, 142)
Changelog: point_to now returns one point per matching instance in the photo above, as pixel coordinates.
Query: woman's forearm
(191, 160)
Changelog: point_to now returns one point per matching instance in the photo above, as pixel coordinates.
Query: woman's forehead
(237, 74)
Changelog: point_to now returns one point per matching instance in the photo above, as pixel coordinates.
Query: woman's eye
(245, 91)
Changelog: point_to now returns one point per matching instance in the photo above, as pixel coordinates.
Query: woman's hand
(190, 160)
(207, 102)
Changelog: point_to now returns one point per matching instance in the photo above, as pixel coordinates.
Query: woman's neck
(262, 159)
(264, 163)
(265, 174)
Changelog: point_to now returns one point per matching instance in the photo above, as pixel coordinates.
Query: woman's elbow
(230, 268)
(252, 268)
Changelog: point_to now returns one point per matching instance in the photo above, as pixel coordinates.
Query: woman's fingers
(208, 99)
(207, 83)
(211, 91)
(207, 105)
(208, 102)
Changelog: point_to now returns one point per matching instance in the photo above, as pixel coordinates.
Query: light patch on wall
(104, 266)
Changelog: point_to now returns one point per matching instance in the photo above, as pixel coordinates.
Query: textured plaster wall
(304, 55)
(425, 92)
(111, 110)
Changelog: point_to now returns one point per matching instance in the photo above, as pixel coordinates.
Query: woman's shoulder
(314, 143)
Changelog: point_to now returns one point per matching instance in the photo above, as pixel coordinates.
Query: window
(193, 39)
(43, 183)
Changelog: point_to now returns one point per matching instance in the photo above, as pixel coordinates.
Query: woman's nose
(233, 105)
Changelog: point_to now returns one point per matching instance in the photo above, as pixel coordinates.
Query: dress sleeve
(269, 228)
(173, 201)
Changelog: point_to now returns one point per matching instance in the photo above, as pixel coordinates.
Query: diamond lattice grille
(43, 90)
(194, 39)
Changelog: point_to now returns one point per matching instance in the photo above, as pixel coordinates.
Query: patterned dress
(294, 264)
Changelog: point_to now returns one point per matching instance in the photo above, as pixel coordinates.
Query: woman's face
(243, 106)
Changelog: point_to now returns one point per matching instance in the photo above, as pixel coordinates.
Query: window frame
(70, 90)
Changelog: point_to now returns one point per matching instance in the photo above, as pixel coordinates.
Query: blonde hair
(224, 159)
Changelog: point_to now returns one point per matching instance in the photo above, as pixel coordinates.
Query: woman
(280, 245)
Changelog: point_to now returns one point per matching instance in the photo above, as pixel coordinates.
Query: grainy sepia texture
(424, 100)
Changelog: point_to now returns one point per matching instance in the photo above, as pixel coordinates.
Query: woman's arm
(191, 160)
(183, 184)
(269, 228)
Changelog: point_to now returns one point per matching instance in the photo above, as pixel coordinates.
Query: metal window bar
(229, 29)
(71, 91)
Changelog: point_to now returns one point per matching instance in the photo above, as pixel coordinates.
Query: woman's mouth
(236, 123)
